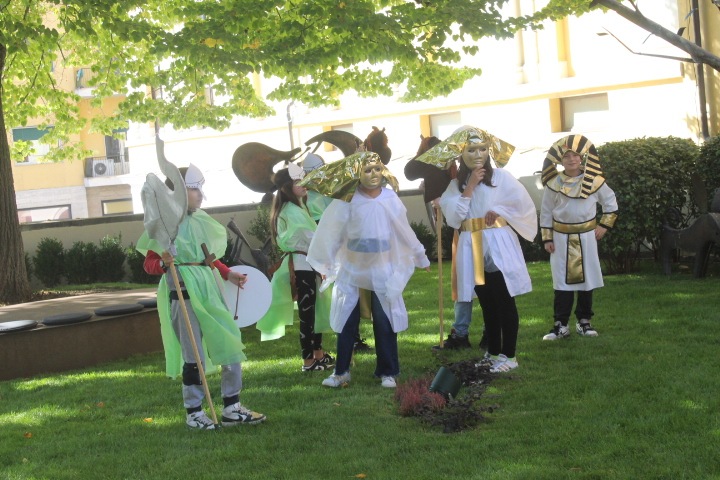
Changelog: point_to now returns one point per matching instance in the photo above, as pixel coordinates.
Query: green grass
(639, 401)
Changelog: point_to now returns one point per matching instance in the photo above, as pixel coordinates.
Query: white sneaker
(200, 421)
(388, 382)
(236, 414)
(497, 361)
(506, 366)
(559, 331)
(337, 380)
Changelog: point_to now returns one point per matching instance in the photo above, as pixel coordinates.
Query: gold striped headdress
(443, 154)
(581, 145)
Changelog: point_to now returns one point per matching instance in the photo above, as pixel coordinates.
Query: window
(32, 135)
(121, 206)
(442, 125)
(584, 113)
(41, 214)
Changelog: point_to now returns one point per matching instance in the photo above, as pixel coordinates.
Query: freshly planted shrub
(49, 261)
(111, 259)
(648, 175)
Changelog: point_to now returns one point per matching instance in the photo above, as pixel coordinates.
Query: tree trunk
(699, 55)
(14, 283)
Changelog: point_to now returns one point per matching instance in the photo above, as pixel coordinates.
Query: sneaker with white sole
(497, 361)
(506, 366)
(584, 329)
(236, 414)
(337, 380)
(200, 421)
(388, 382)
(559, 331)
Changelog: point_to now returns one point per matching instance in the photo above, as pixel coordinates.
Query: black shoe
(454, 342)
(362, 346)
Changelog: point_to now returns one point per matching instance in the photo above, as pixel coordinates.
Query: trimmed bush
(49, 263)
(260, 229)
(135, 261)
(81, 263)
(649, 176)
(426, 237)
(111, 259)
(708, 166)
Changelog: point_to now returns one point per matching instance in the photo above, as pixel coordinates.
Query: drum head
(248, 305)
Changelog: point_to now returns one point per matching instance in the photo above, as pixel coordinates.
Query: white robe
(509, 199)
(564, 209)
(380, 226)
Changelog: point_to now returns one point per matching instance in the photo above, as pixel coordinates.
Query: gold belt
(574, 227)
(475, 226)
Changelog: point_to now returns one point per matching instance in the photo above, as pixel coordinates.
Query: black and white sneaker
(585, 329)
(559, 331)
(236, 414)
(361, 345)
(200, 421)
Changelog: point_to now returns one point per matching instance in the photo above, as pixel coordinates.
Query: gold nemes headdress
(442, 154)
(581, 145)
(340, 179)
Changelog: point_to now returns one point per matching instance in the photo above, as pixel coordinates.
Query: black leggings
(305, 280)
(499, 313)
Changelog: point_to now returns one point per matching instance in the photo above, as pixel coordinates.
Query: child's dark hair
(283, 195)
(464, 172)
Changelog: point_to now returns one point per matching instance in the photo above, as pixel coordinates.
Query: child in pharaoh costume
(570, 231)
(295, 280)
(487, 205)
(364, 241)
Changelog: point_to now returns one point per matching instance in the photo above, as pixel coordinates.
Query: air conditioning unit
(103, 168)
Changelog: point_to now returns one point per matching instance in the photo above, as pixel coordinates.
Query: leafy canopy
(316, 49)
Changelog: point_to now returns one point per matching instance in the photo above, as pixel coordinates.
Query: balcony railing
(107, 166)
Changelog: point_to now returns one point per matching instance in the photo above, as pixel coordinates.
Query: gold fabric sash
(574, 268)
(475, 226)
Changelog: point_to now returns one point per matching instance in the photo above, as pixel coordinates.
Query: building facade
(597, 74)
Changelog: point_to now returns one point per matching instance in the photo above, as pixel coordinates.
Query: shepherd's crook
(438, 231)
(196, 351)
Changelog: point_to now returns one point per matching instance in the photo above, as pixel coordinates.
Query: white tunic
(558, 206)
(367, 243)
(501, 247)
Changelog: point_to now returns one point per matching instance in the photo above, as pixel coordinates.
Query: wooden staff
(196, 351)
(438, 231)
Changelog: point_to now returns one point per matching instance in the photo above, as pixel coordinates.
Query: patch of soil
(452, 414)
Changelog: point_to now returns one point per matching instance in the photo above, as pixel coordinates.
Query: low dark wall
(80, 345)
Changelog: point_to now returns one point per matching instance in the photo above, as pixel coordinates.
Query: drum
(250, 303)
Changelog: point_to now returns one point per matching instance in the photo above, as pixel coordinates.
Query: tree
(317, 49)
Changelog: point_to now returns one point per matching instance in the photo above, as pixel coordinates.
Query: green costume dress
(221, 337)
(295, 228)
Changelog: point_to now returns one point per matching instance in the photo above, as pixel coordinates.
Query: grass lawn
(639, 401)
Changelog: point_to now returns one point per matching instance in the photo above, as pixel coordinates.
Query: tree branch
(698, 54)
